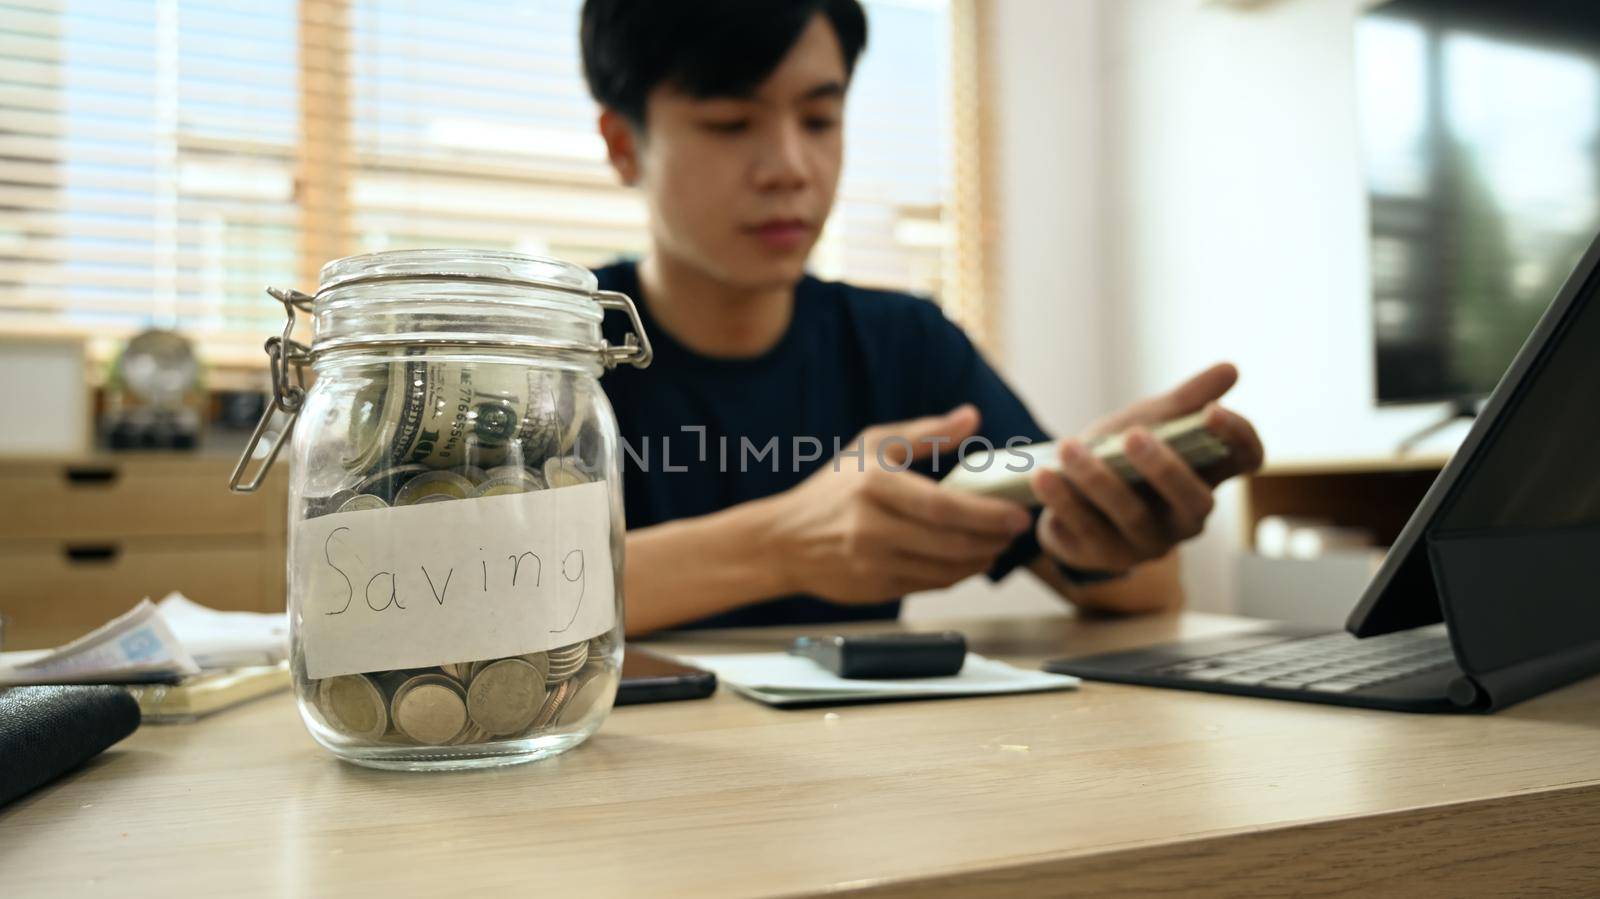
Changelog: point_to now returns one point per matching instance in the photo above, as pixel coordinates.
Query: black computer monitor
(1480, 124)
(1506, 544)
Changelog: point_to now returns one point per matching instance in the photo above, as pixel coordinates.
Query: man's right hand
(859, 530)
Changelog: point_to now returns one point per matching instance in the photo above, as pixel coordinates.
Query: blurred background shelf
(1374, 494)
(87, 537)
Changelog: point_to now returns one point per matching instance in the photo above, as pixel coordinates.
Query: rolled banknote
(450, 414)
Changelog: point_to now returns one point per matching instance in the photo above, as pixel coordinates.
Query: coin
(446, 484)
(540, 661)
(385, 484)
(472, 733)
(363, 502)
(505, 696)
(553, 704)
(566, 661)
(507, 486)
(431, 709)
(461, 671)
(352, 703)
(509, 471)
(564, 471)
(473, 473)
(433, 498)
(317, 506)
(592, 688)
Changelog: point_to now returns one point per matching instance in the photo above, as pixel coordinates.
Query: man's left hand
(1095, 521)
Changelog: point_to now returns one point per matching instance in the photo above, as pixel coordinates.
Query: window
(161, 161)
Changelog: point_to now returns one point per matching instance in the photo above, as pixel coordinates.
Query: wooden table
(1102, 790)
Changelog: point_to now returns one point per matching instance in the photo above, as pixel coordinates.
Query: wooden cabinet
(1376, 494)
(83, 540)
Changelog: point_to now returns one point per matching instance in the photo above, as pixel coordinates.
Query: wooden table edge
(1537, 841)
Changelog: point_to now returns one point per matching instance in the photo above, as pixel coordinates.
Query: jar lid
(343, 325)
(496, 266)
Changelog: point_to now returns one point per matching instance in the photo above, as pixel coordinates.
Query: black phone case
(678, 682)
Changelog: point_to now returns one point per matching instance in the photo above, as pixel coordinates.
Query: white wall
(1046, 105)
(1181, 183)
(1235, 216)
(1047, 99)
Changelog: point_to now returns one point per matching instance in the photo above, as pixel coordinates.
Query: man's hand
(1094, 520)
(860, 531)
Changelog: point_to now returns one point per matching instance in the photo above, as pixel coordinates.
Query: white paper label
(456, 581)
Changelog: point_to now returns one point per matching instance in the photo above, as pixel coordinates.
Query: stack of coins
(465, 703)
(429, 709)
(509, 479)
(442, 484)
(354, 704)
(505, 696)
(363, 502)
(566, 661)
(564, 471)
(590, 688)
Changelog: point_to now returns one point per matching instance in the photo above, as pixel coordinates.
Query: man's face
(740, 187)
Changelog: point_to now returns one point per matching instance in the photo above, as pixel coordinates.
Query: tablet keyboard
(1326, 663)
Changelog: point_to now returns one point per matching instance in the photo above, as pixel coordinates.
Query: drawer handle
(99, 553)
(87, 474)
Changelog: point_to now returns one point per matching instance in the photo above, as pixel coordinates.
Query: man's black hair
(705, 48)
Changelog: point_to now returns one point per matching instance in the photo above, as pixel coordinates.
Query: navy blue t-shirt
(851, 358)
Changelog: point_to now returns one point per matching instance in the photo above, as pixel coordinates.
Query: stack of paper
(226, 639)
(133, 648)
(155, 643)
(780, 679)
(207, 692)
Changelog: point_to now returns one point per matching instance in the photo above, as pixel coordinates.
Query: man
(726, 115)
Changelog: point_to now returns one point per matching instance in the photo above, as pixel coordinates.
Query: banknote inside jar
(448, 414)
(436, 430)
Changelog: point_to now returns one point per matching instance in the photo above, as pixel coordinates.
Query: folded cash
(1007, 473)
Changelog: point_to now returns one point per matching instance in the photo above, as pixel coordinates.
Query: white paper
(782, 679)
(136, 646)
(454, 581)
(226, 639)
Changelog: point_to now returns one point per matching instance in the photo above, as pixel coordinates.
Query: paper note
(219, 639)
(780, 679)
(438, 583)
(136, 646)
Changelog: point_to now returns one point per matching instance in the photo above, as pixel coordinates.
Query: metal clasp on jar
(287, 360)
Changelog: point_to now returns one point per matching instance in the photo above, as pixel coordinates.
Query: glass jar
(455, 522)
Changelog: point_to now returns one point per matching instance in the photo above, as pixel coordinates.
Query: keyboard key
(1211, 674)
(1333, 663)
(1334, 686)
(1286, 683)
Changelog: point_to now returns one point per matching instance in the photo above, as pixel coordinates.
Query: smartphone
(648, 677)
